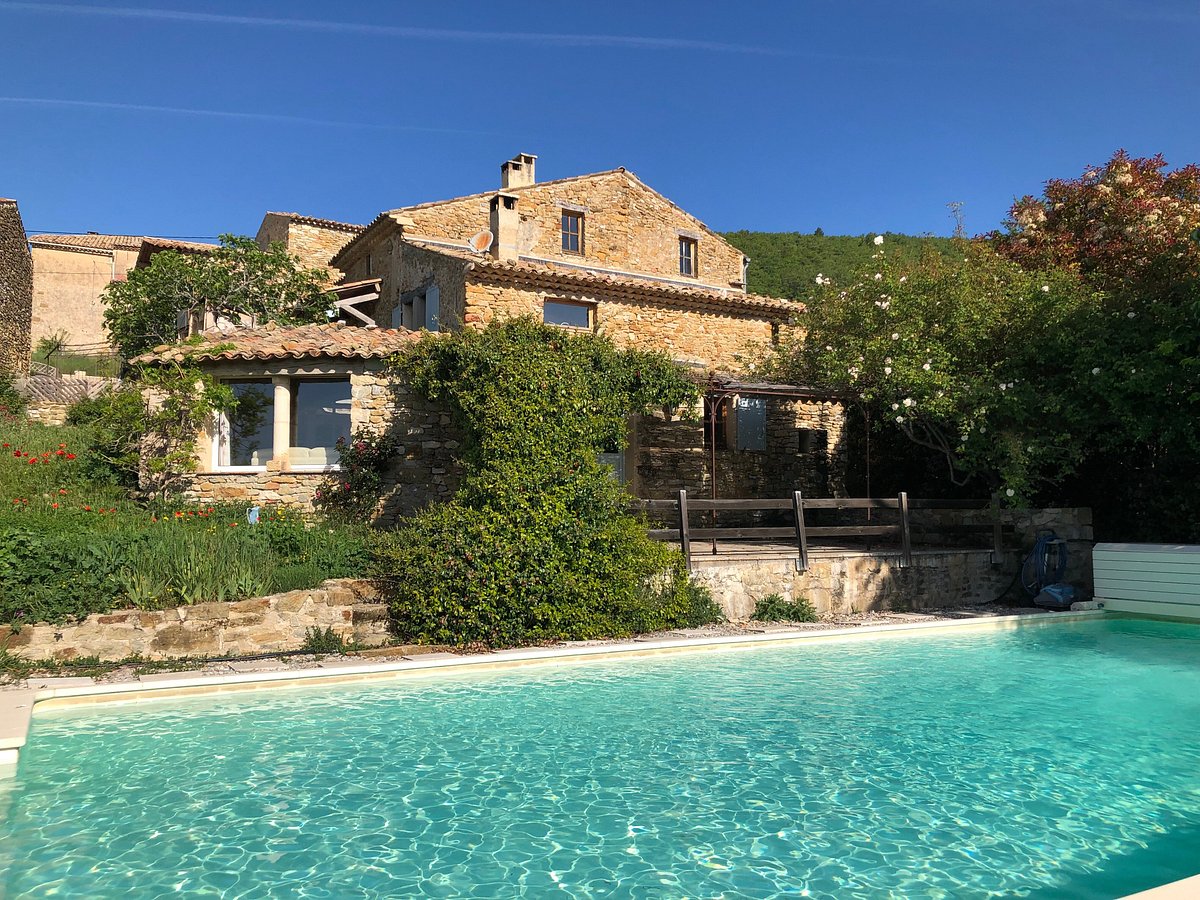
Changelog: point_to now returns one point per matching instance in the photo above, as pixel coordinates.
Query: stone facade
(315, 241)
(845, 582)
(707, 338)
(628, 227)
(671, 452)
(16, 290)
(424, 471)
(69, 279)
(350, 608)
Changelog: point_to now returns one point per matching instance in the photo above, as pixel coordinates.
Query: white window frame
(220, 436)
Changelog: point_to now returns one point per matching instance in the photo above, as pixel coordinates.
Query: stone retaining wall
(349, 607)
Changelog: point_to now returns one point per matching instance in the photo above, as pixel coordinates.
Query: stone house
(70, 273)
(602, 253)
(315, 241)
(16, 290)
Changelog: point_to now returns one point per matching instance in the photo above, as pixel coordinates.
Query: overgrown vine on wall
(538, 542)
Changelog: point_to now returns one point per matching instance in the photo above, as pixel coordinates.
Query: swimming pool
(1058, 760)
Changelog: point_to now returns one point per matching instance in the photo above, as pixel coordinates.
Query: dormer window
(687, 256)
(572, 231)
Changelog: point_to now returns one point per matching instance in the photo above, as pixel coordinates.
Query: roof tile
(269, 342)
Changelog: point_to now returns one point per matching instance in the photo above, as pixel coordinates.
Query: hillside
(785, 264)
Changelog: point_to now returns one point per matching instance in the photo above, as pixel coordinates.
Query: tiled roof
(90, 241)
(170, 244)
(555, 277)
(269, 342)
(329, 224)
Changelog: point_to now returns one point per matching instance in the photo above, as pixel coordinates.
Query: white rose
(1010, 492)
(878, 240)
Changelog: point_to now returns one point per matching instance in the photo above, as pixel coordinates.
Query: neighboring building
(70, 273)
(315, 241)
(602, 253)
(16, 290)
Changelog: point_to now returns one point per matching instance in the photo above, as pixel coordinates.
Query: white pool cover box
(1152, 579)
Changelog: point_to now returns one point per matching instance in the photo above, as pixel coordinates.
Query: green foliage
(774, 608)
(538, 543)
(352, 493)
(974, 358)
(786, 264)
(237, 279)
(119, 418)
(12, 402)
(318, 641)
(70, 546)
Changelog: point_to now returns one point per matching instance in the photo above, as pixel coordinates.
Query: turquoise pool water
(1059, 761)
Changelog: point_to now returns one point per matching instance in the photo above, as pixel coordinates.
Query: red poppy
(33, 460)
(233, 524)
(16, 452)
(62, 446)
(70, 456)
(87, 509)
(54, 506)
(153, 518)
(178, 514)
(6, 445)
(62, 491)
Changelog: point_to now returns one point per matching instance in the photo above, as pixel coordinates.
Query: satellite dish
(482, 242)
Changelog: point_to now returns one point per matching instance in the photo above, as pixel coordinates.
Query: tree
(971, 356)
(1130, 228)
(1128, 224)
(236, 280)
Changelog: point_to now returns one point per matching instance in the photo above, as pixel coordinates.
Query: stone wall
(845, 581)
(669, 453)
(68, 283)
(424, 470)
(627, 227)
(350, 608)
(703, 337)
(16, 290)
(852, 583)
(315, 241)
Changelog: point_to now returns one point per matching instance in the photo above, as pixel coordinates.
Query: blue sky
(191, 119)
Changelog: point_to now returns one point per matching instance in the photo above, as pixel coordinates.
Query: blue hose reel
(1043, 571)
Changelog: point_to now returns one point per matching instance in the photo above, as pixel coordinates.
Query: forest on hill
(786, 264)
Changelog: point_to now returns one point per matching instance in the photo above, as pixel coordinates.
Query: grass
(71, 545)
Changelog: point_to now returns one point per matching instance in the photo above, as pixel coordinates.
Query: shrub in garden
(774, 608)
(352, 493)
(538, 543)
(12, 403)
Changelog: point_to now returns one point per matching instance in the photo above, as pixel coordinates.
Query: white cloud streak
(52, 102)
(398, 31)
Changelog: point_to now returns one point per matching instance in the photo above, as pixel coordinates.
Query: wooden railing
(801, 533)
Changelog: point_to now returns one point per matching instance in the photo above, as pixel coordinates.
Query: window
(567, 314)
(687, 256)
(811, 440)
(716, 424)
(572, 231)
(246, 435)
(320, 416)
(751, 423)
(419, 309)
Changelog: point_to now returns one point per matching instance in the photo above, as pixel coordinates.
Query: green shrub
(352, 493)
(774, 608)
(318, 641)
(118, 419)
(12, 402)
(538, 543)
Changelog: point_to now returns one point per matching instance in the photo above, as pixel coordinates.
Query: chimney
(504, 226)
(518, 171)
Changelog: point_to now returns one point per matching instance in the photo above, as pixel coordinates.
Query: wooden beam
(685, 542)
(801, 537)
(905, 532)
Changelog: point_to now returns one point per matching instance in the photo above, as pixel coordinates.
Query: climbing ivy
(538, 543)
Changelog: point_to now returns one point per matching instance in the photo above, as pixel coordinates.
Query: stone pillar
(282, 435)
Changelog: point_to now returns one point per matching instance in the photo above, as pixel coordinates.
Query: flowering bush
(969, 357)
(70, 545)
(351, 493)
